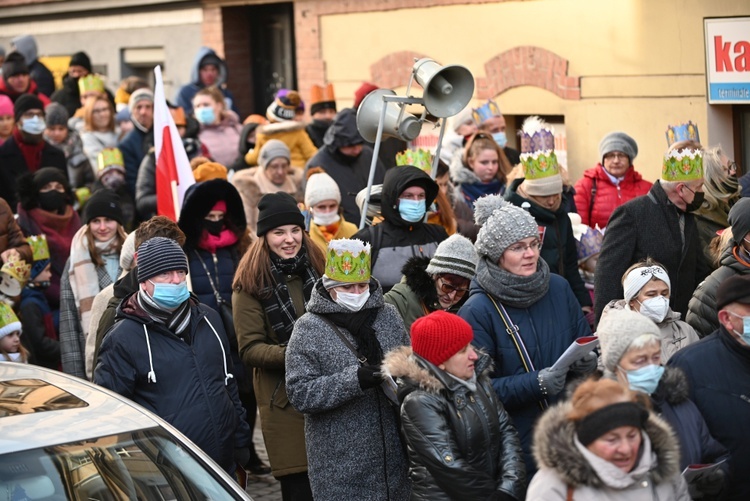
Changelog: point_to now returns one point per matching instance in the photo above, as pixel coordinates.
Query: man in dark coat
(170, 354)
(659, 225)
(136, 143)
(208, 70)
(26, 45)
(718, 372)
(26, 150)
(347, 160)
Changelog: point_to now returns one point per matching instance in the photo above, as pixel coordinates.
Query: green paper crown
(421, 159)
(8, 316)
(110, 158)
(90, 83)
(540, 165)
(39, 247)
(348, 261)
(682, 165)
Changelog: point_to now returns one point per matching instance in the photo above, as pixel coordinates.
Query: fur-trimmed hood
(278, 127)
(554, 448)
(199, 200)
(460, 173)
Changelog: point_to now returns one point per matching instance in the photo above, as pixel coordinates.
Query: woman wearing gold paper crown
(541, 189)
(99, 129)
(334, 378)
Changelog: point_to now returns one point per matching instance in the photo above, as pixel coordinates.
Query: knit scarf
(511, 289)
(59, 229)
(278, 305)
(84, 278)
(176, 320)
(211, 242)
(32, 153)
(329, 231)
(478, 190)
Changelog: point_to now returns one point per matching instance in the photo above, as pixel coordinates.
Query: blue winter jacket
(547, 328)
(134, 147)
(185, 95)
(718, 372)
(221, 266)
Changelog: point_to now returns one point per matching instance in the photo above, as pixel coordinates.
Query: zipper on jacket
(619, 194)
(216, 270)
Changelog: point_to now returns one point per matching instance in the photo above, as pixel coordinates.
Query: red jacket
(13, 95)
(608, 197)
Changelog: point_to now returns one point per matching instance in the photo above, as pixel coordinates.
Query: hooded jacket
(14, 166)
(349, 173)
(290, 132)
(562, 465)
(395, 240)
(187, 383)
(26, 46)
(185, 95)
(461, 443)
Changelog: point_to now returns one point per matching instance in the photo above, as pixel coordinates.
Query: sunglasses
(447, 288)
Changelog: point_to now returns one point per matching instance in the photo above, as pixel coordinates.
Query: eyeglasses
(447, 288)
(615, 155)
(521, 248)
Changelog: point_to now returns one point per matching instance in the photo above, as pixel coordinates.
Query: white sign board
(728, 60)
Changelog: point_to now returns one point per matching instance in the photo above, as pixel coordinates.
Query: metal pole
(374, 163)
(436, 158)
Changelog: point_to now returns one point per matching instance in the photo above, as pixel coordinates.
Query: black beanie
(81, 59)
(103, 203)
(278, 209)
(14, 64)
(210, 59)
(26, 102)
(48, 175)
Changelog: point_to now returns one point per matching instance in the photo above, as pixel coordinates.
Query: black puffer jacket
(462, 444)
(702, 315)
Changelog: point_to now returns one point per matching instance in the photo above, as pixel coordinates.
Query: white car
(63, 438)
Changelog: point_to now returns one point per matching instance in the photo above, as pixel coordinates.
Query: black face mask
(322, 123)
(52, 201)
(696, 203)
(213, 227)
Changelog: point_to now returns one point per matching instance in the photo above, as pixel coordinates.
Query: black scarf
(277, 302)
(359, 325)
(176, 321)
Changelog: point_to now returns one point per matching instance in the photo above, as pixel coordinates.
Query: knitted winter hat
(103, 203)
(440, 335)
(159, 255)
(455, 255)
(273, 148)
(278, 209)
(9, 322)
(503, 224)
(24, 103)
(209, 170)
(464, 116)
(321, 187)
(739, 220)
(618, 141)
(56, 114)
(617, 330)
(362, 92)
(284, 108)
(140, 95)
(47, 175)
(14, 64)
(6, 106)
(81, 59)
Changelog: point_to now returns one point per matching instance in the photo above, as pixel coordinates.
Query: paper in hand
(694, 471)
(576, 351)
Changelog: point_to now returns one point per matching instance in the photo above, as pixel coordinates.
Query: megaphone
(447, 89)
(369, 112)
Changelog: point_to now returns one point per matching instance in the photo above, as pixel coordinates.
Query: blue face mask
(645, 379)
(34, 125)
(205, 115)
(170, 296)
(500, 138)
(411, 210)
(745, 334)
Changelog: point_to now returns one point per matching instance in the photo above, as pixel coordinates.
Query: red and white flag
(173, 173)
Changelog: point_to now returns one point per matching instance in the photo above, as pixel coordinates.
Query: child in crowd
(110, 174)
(11, 349)
(6, 118)
(58, 134)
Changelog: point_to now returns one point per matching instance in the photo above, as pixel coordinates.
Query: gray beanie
(739, 219)
(159, 255)
(455, 255)
(503, 224)
(144, 94)
(617, 330)
(618, 141)
(273, 149)
(56, 114)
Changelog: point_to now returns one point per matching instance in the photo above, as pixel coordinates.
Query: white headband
(639, 277)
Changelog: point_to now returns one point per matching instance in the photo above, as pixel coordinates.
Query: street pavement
(262, 488)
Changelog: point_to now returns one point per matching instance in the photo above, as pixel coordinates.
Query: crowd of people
(418, 357)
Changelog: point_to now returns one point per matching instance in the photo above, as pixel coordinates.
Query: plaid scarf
(278, 305)
(176, 321)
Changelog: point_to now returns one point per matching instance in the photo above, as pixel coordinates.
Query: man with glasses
(26, 150)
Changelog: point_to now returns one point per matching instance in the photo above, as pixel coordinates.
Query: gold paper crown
(90, 83)
(421, 159)
(682, 165)
(683, 132)
(18, 269)
(8, 320)
(348, 260)
(110, 158)
(39, 247)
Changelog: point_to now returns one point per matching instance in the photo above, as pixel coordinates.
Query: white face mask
(655, 308)
(353, 302)
(325, 218)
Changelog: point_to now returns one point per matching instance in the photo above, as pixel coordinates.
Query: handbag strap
(569, 495)
(219, 299)
(361, 359)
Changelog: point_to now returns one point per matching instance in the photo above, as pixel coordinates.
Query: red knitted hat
(362, 92)
(440, 335)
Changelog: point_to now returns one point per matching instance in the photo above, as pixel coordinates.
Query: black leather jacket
(461, 443)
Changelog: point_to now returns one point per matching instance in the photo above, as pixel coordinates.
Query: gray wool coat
(354, 449)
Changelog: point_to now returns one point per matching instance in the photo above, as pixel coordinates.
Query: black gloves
(369, 376)
(707, 486)
(586, 365)
(551, 381)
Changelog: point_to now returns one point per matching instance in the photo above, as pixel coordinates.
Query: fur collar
(278, 127)
(461, 173)
(673, 387)
(419, 281)
(554, 448)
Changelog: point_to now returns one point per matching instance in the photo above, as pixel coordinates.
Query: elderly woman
(333, 377)
(632, 355)
(522, 315)
(437, 283)
(647, 289)
(602, 444)
(462, 444)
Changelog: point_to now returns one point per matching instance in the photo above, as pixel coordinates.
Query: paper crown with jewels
(538, 149)
(9, 322)
(683, 132)
(421, 159)
(17, 268)
(682, 165)
(39, 247)
(348, 260)
(110, 158)
(590, 244)
(486, 111)
(90, 83)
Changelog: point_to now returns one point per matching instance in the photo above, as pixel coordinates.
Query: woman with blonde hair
(480, 169)
(99, 129)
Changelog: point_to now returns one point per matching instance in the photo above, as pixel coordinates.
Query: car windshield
(141, 465)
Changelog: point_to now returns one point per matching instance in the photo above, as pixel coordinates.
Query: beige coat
(252, 184)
